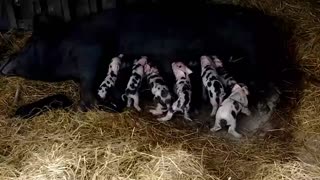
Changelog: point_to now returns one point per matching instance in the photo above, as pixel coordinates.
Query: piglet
(134, 84)
(111, 77)
(159, 90)
(227, 80)
(227, 113)
(211, 83)
(183, 91)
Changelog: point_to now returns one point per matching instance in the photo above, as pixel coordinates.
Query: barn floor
(131, 145)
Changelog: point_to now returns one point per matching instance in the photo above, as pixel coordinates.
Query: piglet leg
(216, 126)
(170, 113)
(246, 111)
(186, 115)
(158, 110)
(204, 93)
(214, 104)
(232, 131)
(87, 98)
(136, 102)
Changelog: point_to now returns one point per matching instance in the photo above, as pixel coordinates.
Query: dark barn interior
(281, 138)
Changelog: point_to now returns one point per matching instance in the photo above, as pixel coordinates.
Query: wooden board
(65, 10)
(54, 7)
(107, 4)
(11, 15)
(93, 6)
(36, 7)
(82, 8)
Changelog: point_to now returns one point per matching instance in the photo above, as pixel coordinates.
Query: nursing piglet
(111, 77)
(183, 91)
(227, 80)
(159, 90)
(211, 83)
(134, 84)
(227, 113)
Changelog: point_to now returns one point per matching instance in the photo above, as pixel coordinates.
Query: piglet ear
(146, 68)
(188, 70)
(236, 87)
(117, 68)
(246, 90)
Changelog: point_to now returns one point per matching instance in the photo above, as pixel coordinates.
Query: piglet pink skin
(180, 70)
(149, 70)
(143, 61)
(217, 61)
(115, 64)
(205, 60)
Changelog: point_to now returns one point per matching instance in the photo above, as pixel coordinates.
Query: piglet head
(206, 61)
(240, 94)
(180, 70)
(148, 69)
(115, 65)
(217, 61)
(142, 61)
(244, 88)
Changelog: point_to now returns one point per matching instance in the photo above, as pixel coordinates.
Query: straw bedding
(101, 145)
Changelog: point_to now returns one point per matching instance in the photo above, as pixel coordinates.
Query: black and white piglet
(134, 84)
(227, 113)
(183, 91)
(111, 77)
(227, 80)
(159, 89)
(211, 83)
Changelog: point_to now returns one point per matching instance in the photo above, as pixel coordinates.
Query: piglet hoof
(155, 112)
(163, 119)
(137, 108)
(235, 134)
(246, 111)
(212, 114)
(187, 118)
(215, 128)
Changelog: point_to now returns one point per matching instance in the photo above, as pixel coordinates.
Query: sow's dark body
(81, 50)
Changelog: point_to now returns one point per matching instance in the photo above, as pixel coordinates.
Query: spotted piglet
(227, 113)
(159, 90)
(111, 77)
(133, 86)
(183, 91)
(227, 80)
(211, 83)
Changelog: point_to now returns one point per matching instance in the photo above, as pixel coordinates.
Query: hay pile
(100, 145)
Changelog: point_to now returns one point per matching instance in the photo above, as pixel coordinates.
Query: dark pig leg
(87, 61)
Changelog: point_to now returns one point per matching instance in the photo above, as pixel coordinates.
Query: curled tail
(124, 97)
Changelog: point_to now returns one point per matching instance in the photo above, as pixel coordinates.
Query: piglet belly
(224, 113)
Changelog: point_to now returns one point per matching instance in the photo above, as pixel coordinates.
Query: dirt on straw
(129, 145)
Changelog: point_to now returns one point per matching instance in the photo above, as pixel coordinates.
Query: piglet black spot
(187, 99)
(217, 87)
(104, 85)
(212, 78)
(179, 103)
(132, 86)
(159, 81)
(233, 113)
(112, 74)
(236, 105)
(164, 93)
(209, 84)
(134, 81)
(218, 100)
(210, 94)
